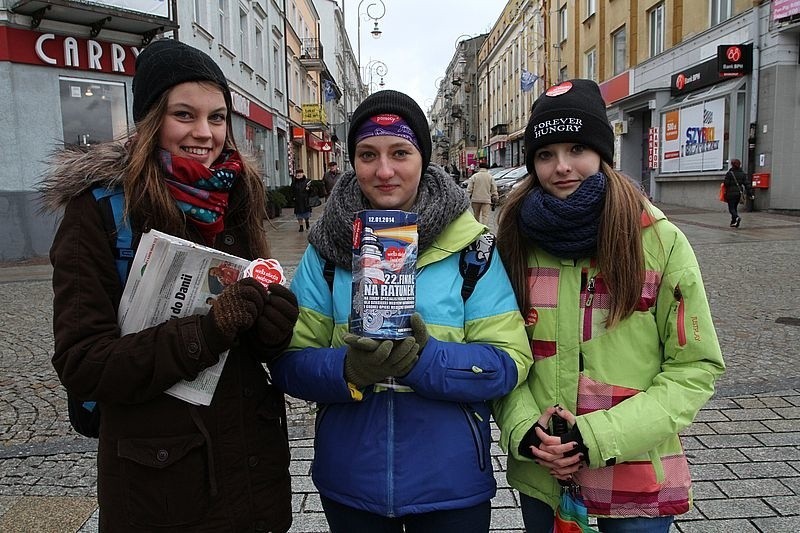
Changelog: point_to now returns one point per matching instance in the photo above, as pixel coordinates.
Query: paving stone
(749, 403)
(784, 453)
(309, 523)
(785, 505)
(732, 428)
(710, 472)
(697, 428)
(753, 414)
(788, 412)
(780, 439)
(781, 425)
(734, 508)
(787, 524)
(691, 443)
(755, 488)
(711, 415)
(706, 490)
(720, 403)
(717, 526)
(775, 401)
(777, 469)
(728, 441)
(715, 455)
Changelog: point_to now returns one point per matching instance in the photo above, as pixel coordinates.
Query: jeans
(344, 519)
(538, 518)
(733, 209)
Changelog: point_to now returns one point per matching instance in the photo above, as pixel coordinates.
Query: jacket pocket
(477, 436)
(166, 480)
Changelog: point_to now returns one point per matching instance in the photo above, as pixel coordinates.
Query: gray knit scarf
(439, 201)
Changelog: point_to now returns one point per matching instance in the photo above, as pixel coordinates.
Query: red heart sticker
(558, 90)
(267, 274)
(395, 256)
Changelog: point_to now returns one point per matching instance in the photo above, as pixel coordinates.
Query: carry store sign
(693, 137)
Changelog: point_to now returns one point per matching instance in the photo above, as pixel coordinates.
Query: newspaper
(170, 278)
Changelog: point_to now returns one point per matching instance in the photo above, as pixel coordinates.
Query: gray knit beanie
(392, 102)
(166, 63)
(570, 112)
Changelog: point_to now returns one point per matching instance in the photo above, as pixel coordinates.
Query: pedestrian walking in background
(482, 190)
(402, 436)
(737, 190)
(301, 186)
(619, 325)
(330, 177)
(165, 464)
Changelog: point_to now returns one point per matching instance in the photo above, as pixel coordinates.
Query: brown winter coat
(163, 464)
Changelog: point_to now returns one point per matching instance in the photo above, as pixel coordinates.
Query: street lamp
(378, 68)
(376, 31)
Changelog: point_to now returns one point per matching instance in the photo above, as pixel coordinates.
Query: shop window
(92, 111)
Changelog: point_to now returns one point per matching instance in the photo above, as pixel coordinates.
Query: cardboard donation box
(384, 273)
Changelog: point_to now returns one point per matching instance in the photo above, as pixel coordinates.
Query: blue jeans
(538, 518)
(344, 519)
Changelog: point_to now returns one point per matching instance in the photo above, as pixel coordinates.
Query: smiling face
(388, 170)
(194, 124)
(562, 167)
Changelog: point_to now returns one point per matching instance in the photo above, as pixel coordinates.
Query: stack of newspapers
(171, 277)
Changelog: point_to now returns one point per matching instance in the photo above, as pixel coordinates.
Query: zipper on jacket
(580, 361)
(390, 453)
(471, 416)
(680, 316)
(590, 291)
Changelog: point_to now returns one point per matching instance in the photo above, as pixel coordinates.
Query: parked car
(496, 172)
(507, 180)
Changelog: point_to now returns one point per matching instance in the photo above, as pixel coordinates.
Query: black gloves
(234, 311)
(369, 361)
(272, 330)
(572, 435)
(530, 439)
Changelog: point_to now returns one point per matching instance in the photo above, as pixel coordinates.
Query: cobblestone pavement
(744, 447)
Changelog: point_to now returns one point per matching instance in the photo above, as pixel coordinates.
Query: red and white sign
(652, 148)
(63, 51)
(785, 8)
(265, 271)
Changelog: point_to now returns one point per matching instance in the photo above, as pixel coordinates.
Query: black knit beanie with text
(166, 63)
(392, 102)
(570, 112)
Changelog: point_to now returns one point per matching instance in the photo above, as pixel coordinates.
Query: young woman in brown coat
(165, 464)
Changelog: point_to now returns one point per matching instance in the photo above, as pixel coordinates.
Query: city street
(743, 449)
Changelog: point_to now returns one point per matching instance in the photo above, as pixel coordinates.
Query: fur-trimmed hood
(73, 170)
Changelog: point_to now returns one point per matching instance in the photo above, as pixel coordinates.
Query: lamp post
(376, 31)
(378, 68)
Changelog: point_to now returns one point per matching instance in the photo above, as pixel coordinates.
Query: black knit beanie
(166, 63)
(572, 112)
(399, 104)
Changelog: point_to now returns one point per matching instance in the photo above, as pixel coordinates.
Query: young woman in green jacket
(619, 326)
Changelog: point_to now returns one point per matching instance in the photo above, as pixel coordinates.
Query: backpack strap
(329, 272)
(112, 209)
(474, 262)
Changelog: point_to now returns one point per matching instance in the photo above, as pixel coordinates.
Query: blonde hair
(149, 202)
(620, 253)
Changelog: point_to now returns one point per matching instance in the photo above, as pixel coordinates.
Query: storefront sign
(617, 87)
(49, 49)
(693, 137)
(316, 144)
(695, 77)
(251, 110)
(785, 8)
(652, 148)
(734, 60)
(313, 114)
(298, 134)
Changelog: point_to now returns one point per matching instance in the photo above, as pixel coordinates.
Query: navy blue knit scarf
(565, 228)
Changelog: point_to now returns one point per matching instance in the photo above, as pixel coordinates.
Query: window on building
(563, 74)
(591, 7)
(656, 17)
(258, 52)
(92, 111)
(720, 11)
(244, 47)
(277, 80)
(562, 24)
(619, 42)
(200, 12)
(590, 62)
(222, 16)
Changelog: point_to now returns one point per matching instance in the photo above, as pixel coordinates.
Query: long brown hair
(149, 202)
(620, 253)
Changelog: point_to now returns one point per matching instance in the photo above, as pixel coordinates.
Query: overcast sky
(419, 38)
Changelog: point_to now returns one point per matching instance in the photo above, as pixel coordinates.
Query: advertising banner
(693, 137)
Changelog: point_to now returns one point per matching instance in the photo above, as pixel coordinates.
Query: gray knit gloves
(369, 361)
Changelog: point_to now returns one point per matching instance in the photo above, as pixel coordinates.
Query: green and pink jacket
(633, 388)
